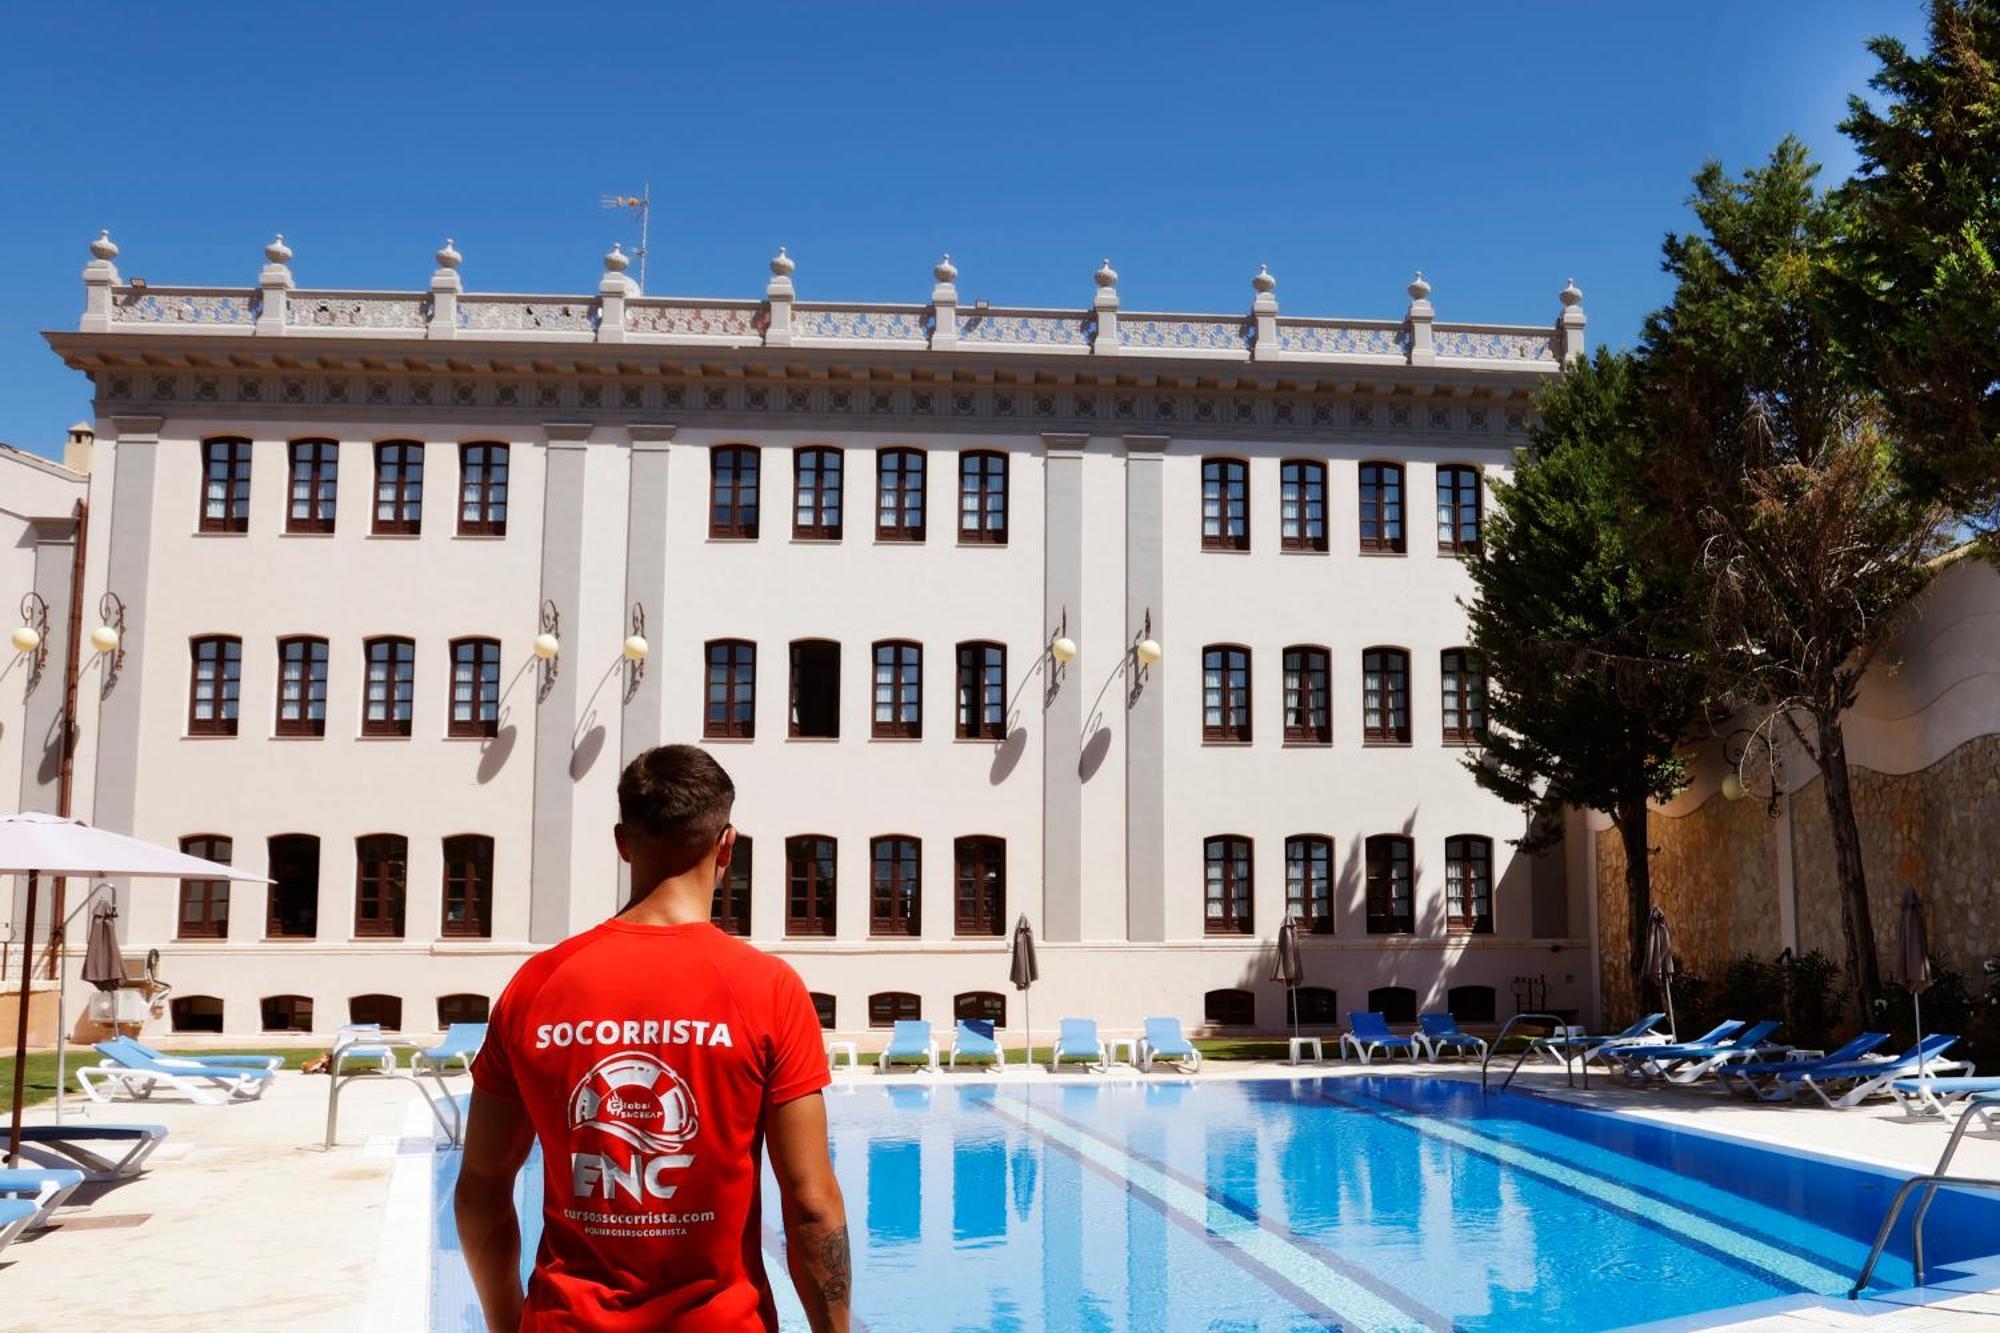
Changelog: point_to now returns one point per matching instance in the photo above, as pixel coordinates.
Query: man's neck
(679, 901)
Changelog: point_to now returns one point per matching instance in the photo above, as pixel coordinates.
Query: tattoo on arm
(839, 1266)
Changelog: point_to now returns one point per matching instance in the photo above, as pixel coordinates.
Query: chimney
(76, 450)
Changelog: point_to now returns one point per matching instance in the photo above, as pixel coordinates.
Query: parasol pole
(21, 1023)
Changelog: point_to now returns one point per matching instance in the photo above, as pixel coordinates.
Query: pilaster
(1064, 691)
(1145, 717)
(554, 831)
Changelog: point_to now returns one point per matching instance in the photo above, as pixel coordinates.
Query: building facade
(1143, 626)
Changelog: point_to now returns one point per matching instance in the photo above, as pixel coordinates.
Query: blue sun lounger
(15, 1214)
(46, 1190)
(1848, 1085)
(1164, 1040)
(1368, 1032)
(170, 1060)
(1599, 1046)
(1935, 1096)
(910, 1039)
(137, 1074)
(1759, 1078)
(1687, 1064)
(1077, 1039)
(1441, 1032)
(1723, 1031)
(63, 1147)
(461, 1043)
(973, 1038)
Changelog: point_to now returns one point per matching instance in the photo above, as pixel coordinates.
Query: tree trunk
(1855, 920)
(1631, 821)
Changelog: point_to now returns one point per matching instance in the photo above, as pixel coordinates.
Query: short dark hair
(676, 794)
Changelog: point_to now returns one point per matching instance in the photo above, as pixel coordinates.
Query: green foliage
(1950, 1005)
(1806, 993)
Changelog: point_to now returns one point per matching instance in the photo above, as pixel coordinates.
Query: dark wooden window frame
(208, 897)
(1397, 1004)
(484, 473)
(1230, 511)
(735, 480)
(1379, 855)
(385, 1011)
(219, 714)
(989, 1006)
(402, 494)
(1236, 858)
(1465, 853)
(888, 1007)
(311, 684)
(468, 880)
(381, 885)
(397, 686)
(485, 688)
(814, 882)
(1295, 533)
(1378, 722)
(737, 695)
(1314, 917)
(314, 479)
(899, 489)
(793, 726)
(274, 920)
(981, 678)
(1229, 1007)
(821, 518)
(225, 460)
(1312, 660)
(1312, 1006)
(906, 663)
(296, 1011)
(979, 868)
(825, 1009)
(1473, 1003)
(460, 1007)
(1461, 478)
(1462, 696)
(896, 886)
(182, 1014)
(978, 485)
(1383, 510)
(730, 910)
(1222, 731)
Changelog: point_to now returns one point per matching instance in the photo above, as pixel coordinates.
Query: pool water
(1275, 1206)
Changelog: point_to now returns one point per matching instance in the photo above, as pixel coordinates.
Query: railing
(377, 1056)
(1568, 1051)
(1939, 1176)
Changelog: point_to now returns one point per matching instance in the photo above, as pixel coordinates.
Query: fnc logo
(639, 1100)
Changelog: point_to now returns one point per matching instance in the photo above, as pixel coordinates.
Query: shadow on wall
(493, 754)
(1006, 755)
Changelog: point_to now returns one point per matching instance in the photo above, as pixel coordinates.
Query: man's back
(647, 1058)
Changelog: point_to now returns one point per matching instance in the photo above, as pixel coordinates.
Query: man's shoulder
(740, 958)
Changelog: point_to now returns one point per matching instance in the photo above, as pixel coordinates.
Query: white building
(337, 522)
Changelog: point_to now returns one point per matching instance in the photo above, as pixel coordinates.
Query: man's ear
(624, 848)
(725, 849)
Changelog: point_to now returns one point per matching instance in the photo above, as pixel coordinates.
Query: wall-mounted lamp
(635, 649)
(547, 646)
(1747, 751)
(1061, 646)
(31, 637)
(1147, 648)
(109, 636)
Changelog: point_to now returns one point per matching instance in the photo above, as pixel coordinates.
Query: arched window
(899, 690)
(1308, 712)
(823, 1007)
(889, 1007)
(315, 473)
(1471, 1004)
(1226, 863)
(389, 696)
(816, 493)
(196, 1013)
(982, 1006)
(732, 491)
(468, 886)
(1382, 507)
(482, 490)
(731, 709)
(225, 485)
(287, 1013)
(1229, 1008)
(215, 685)
(1309, 882)
(381, 884)
(294, 895)
(1468, 883)
(399, 488)
(1225, 693)
(1391, 885)
(475, 687)
(1458, 509)
(1311, 1006)
(385, 1011)
(899, 495)
(1398, 1004)
(895, 886)
(1225, 504)
(1302, 505)
(979, 885)
(982, 691)
(809, 885)
(1385, 696)
(815, 693)
(1462, 682)
(982, 498)
(301, 687)
(462, 1008)
(731, 909)
(204, 903)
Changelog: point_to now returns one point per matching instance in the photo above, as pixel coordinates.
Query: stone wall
(1937, 829)
(1715, 871)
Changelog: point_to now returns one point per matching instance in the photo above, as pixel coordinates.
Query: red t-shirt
(647, 1058)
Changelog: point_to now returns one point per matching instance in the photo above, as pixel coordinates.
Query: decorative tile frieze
(1492, 344)
(864, 324)
(1026, 330)
(1181, 334)
(508, 315)
(170, 306)
(331, 310)
(1331, 338)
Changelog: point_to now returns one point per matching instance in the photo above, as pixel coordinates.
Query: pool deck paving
(244, 1221)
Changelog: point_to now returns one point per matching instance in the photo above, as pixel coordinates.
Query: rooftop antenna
(643, 204)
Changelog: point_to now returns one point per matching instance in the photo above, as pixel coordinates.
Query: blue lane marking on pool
(1223, 1206)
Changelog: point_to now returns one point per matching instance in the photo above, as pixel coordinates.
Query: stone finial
(1419, 289)
(104, 247)
(946, 271)
(277, 252)
(449, 257)
(782, 264)
(1264, 284)
(1106, 275)
(1571, 294)
(616, 261)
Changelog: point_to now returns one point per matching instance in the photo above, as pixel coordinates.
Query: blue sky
(1500, 148)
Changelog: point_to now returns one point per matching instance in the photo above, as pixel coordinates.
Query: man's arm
(815, 1217)
(498, 1135)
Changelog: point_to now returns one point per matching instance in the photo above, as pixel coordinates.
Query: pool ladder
(1938, 1176)
(1568, 1051)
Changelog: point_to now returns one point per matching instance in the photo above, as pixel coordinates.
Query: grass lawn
(41, 1085)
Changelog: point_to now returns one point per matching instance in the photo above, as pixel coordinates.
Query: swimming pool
(1368, 1203)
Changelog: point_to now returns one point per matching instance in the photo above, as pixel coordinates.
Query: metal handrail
(1553, 1020)
(1939, 1176)
(454, 1128)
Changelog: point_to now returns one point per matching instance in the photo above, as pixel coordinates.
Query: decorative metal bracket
(35, 616)
(111, 611)
(1745, 748)
(1140, 669)
(550, 623)
(635, 667)
(1057, 668)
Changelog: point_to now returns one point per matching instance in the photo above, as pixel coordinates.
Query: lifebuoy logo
(639, 1099)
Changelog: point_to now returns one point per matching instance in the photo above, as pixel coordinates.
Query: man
(653, 1056)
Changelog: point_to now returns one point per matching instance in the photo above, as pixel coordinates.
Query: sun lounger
(63, 1146)
(46, 1189)
(1620, 1056)
(1164, 1040)
(910, 1039)
(1848, 1085)
(1368, 1032)
(1759, 1078)
(1936, 1096)
(1689, 1063)
(973, 1039)
(15, 1215)
(361, 1045)
(170, 1060)
(461, 1044)
(1599, 1046)
(139, 1075)
(1441, 1032)
(1077, 1039)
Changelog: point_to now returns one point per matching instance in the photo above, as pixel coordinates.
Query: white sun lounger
(45, 1189)
(63, 1146)
(138, 1075)
(15, 1215)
